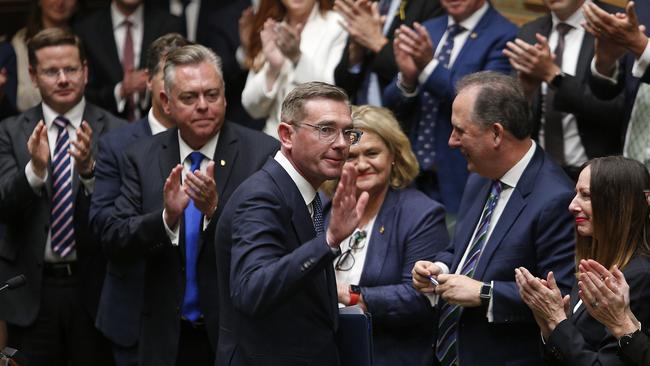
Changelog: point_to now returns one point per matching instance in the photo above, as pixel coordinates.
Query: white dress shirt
(119, 34)
(191, 14)
(353, 275)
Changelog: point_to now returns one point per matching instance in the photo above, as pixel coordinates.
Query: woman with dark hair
(612, 227)
(291, 42)
(43, 14)
(400, 226)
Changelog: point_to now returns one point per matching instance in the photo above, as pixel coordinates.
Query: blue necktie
(193, 216)
(317, 206)
(62, 227)
(425, 137)
(446, 349)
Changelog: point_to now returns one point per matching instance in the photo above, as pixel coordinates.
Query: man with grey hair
(513, 213)
(173, 189)
(275, 258)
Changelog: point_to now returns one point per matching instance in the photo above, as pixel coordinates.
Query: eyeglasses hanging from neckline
(346, 260)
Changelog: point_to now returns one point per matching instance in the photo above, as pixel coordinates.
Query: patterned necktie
(553, 130)
(425, 138)
(317, 206)
(62, 228)
(639, 135)
(128, 64)
(446, 350)
(193, 216)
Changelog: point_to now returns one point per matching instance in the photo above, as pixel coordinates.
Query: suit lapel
(466, 228)
(584, 57)
(382, 231)
(107, 40)
(475, 36)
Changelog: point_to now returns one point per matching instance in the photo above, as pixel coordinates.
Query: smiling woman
(400, 225)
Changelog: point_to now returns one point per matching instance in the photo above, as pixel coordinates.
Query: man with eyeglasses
(47, 180)
(277, 288)
(174, 187)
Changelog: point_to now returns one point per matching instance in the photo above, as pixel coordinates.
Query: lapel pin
(222, 163)
(381, 229)
(473, 35)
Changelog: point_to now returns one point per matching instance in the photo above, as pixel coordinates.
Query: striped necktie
(62, 228)
(446, 347)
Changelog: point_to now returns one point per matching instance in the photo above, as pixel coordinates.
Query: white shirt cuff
(34, 180)
(240, 56)
(119, 101)
(641, 64)
(428, 70)
(490, 313)
(171, 234)
(613, 79)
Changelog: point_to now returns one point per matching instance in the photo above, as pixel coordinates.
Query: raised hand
(543, 298)
(271, 52)
(364, 23)
(405, 63)
(134, 81)
(246, 28)
(288, 40)
(81, 150)
(39, 149)
(417, 43)
(175, 199)
(536, 61)
(202, 189)
(347, 208)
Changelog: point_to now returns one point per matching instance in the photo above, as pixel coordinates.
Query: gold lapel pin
(222, 163)
(473, 35)
(381, 229)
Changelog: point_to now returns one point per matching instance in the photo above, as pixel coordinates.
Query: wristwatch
(556, 82)
(486, 293)
(627, 338)
(355, 293)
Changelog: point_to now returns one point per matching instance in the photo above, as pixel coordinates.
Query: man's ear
(285, 134)
(497, 133)
(164, 99)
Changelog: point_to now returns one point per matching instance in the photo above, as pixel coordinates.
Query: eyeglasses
(68, 71)
(329, 134)
(345, 261)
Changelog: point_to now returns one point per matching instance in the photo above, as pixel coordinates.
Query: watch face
(355, 289)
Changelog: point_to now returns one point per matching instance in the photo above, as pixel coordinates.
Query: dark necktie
(446, 349)
(128, 64)
(553, 131)
(317, 206)
(424, 144)
(192, 216)
(62, 228)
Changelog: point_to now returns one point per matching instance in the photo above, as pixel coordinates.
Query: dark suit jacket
(276, 278)
(135, 232)
(637, 353)
(484, 51)
(582, 340)
(535, 231)
(8, 62)
(104, 66)
(206, 13)
(599, 122)
(409, 227)
(120, 305)
(383, 63)
(27, 215)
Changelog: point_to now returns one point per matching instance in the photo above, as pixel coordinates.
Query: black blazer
(206, 12)
(600, 123)
(104, 66)
(582, 340)
(637, 353)
(135, 232)
(27, 215)
(383, 62)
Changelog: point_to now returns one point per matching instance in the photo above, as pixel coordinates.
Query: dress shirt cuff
(641, 64)
(89, 185)
(405, 92)
(355, 69)
(428, 70)
(34, 180)
(613, 79)
(206, 222)
(119, 101)
(240, 56)
(490, 311)
(171, 234)
(443, 267)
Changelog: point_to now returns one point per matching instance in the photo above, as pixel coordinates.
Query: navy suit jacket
(118, 315)
(135, 232)
(599, 122)
(409, 227)
(276, 277)
(27, 216)
(535, 231)
(581, 340)
(483, 50)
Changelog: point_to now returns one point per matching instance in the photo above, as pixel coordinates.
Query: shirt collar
(575, 20)
(155, 125)
(307, 192)
(137, 18)
(471, 21)
(512, 176)
(207, 150)
(74, 114)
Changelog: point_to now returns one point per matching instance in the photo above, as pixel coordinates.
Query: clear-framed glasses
(68, 71)
(345, 261)
(329, 134)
